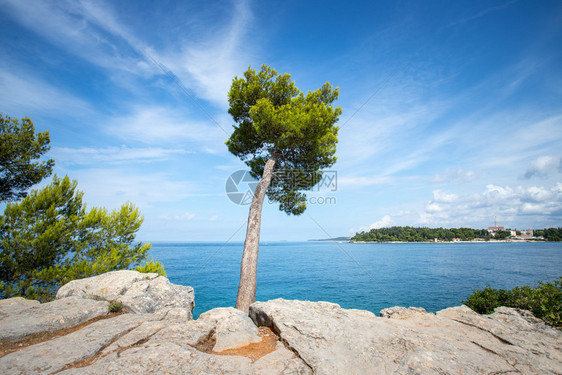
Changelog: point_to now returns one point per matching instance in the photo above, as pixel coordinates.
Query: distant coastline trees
(414, 234)
(550, 234)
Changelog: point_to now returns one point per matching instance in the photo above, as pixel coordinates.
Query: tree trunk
(249, 265)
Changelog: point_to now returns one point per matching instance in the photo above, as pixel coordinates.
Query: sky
(452, 111)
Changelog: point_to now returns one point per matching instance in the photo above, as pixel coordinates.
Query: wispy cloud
(186, 216)
(158, 124)
(111, 187)
(92, 31)
(112, 155)
(483, 13)
(210, 64)
(454, 176)
(83, 29)
(27, 94)
(362, 181)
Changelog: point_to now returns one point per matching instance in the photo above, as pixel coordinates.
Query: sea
(370, 276)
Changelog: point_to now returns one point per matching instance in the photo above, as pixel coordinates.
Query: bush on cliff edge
(49, 238)
(544, 301)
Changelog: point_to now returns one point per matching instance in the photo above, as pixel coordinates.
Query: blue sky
(452, 111)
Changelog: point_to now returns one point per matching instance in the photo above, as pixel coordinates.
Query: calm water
(361, 276)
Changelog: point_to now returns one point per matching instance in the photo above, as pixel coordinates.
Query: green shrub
(115, 306)
(49, 238)
(544, 301)
(152, 266)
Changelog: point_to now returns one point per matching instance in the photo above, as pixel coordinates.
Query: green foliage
(276, 120)
(19, 147)
(502, 234)
(152, 266)
(49, 238)
(544, 301)
(115, 306)
(552, 234)
(411, 234)
(486, 300)
(539, 233)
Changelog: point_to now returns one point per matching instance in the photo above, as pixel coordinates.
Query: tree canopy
(20, 147)
(276, 120)
(49, 238)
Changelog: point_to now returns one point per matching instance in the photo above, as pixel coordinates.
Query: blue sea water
(361, 276)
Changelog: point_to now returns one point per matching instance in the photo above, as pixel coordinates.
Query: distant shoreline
(469, 241)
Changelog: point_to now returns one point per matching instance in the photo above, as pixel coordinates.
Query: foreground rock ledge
(332, 340)
(314, 338)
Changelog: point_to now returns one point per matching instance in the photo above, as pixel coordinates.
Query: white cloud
(186, 216)
(433, 207)
(537, 194)
(439, 196)
(385, 221)
(543, 166)
(516, 207)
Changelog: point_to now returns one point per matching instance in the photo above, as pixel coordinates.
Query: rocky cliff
(77, 334)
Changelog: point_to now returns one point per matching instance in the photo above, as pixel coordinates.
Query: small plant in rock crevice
(115, 306)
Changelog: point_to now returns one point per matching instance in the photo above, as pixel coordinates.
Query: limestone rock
(399, 312)
(20, 317)
(315, 337)
(229, 327)
(139, 292)
(15, 305)
(162, 347)
(281, 361)
(163, 357)
(332, 340)
(54, 355)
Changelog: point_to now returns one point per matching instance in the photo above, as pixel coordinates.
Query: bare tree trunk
(249, 265)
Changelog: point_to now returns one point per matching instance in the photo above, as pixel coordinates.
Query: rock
(227, 326)
(15, 305)
(20, 317)
(281, 361)
(399, 312)
(163, 357)
(163, 347)
(50, 356)
(312, 337)
(332, 340)
(139, 292)
(173, 314)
